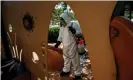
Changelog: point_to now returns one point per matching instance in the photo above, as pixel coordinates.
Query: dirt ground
(86, 69)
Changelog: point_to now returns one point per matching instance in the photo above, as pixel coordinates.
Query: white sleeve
(60, 35)
(77, 28)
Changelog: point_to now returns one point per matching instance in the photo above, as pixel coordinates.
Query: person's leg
(76, 65)
(73, 52)
(67, 63)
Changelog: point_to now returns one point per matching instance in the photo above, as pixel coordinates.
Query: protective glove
(57, 44)
(72, 30)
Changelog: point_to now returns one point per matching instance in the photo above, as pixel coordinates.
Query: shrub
(53, 34)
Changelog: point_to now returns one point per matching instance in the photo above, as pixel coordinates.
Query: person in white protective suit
(67, 33)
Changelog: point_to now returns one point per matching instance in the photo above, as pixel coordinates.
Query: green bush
(53, 34)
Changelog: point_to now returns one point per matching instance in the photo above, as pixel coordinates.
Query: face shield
(62, 22)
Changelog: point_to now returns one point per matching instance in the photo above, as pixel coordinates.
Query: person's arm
(59, 40)
(77, 28)
(72, 29)
(57, 44)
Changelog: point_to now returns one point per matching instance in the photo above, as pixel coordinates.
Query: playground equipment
(94, 18)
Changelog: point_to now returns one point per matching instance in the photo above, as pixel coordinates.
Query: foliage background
(55, 20)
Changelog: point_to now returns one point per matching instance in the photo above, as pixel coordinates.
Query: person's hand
(72, 30)
(57, 44)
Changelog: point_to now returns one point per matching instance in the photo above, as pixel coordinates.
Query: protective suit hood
(66, 17)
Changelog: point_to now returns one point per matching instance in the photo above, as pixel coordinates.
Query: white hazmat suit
(70, 51)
